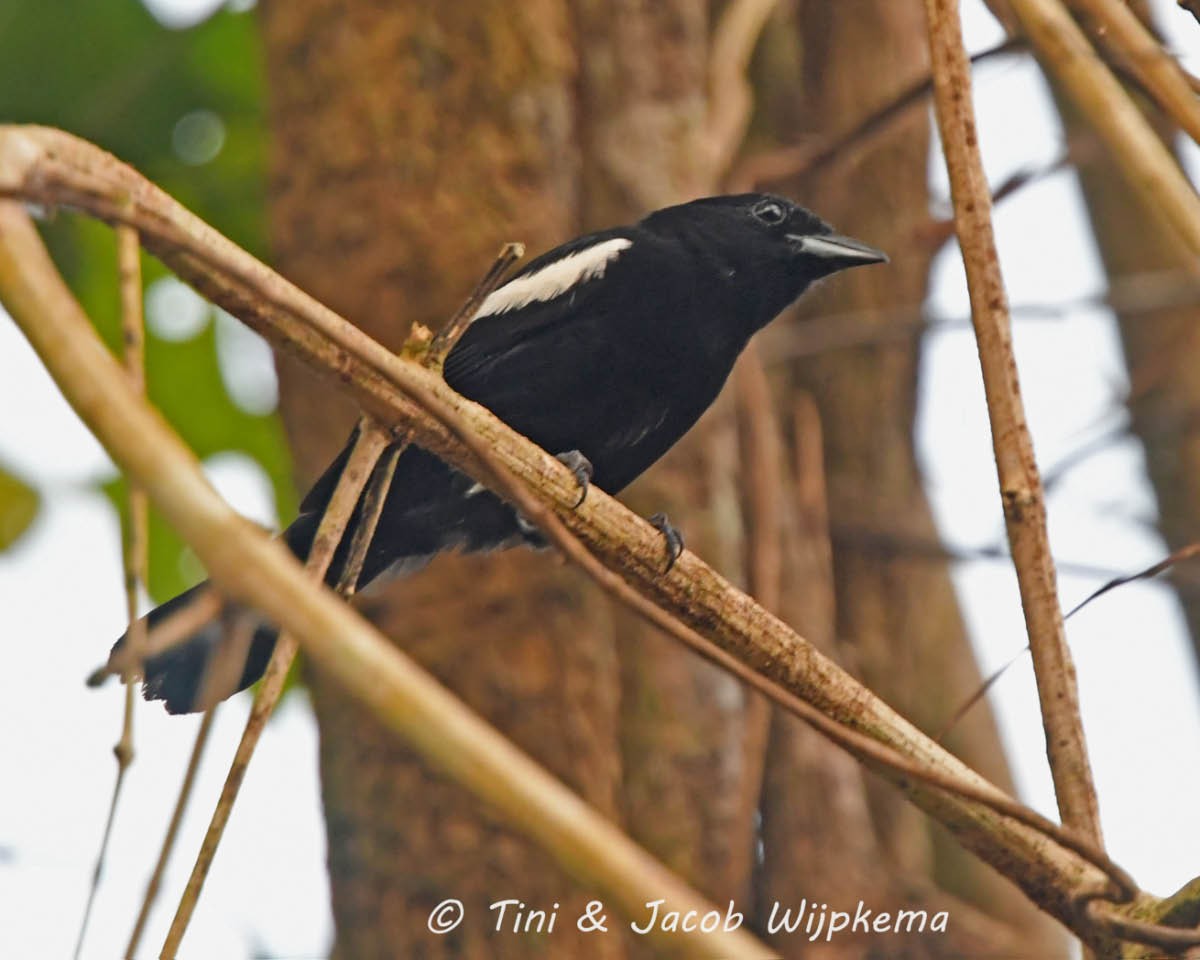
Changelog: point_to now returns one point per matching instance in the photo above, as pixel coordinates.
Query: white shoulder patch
(554, 279)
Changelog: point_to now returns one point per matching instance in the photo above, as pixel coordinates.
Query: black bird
(605, 350)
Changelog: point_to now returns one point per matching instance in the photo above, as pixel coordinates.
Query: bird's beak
(838, 252)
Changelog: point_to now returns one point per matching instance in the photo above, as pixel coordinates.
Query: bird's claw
(671, 535)
(581, 467)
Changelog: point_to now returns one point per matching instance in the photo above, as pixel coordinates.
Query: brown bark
(576, 116)
(898, 621)
(814, 803)
(410, 141)
(685, 763)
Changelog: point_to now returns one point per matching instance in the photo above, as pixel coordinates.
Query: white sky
(60, 593)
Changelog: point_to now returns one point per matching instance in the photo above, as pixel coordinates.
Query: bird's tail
(228, 652)
(210, 648)
(201, 650)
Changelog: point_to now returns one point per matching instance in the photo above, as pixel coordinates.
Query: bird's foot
(581, 467)
(671, 535)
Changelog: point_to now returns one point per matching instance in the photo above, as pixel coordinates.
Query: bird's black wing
(493, 334)
(600, 366)
(492, 339)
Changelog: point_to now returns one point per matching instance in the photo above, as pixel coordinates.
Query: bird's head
(766, 248)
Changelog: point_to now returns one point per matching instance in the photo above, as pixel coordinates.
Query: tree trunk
(410, 141)
(897, 618)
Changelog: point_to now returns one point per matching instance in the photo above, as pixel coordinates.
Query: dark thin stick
(1179, 556)
(98, 872)
(456, 326)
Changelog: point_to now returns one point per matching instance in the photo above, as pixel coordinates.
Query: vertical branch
(1020, 484)
(133, 339)
(134, 535)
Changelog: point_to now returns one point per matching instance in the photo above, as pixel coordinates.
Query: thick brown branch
(254, 568)
(51, 167)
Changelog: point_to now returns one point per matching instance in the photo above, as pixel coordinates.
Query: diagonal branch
(1120, 30)
(51, 167)
(370, 467)
(253, 568)
(1143, 159)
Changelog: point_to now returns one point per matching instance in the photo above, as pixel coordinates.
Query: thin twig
(51, 166)
(443, 342)
(257, 570)
(1179, 556)
(364, 531)
(134, 534)
(1020, 484)
(445, 339)
(371, 459)
(370, 442)
(172, 834)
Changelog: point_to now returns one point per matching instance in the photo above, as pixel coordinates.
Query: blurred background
(378, 154)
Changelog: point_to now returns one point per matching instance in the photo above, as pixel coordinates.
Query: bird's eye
(770, 211)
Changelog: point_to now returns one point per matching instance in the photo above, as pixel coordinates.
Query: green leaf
(19, 504)
(106, 71)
